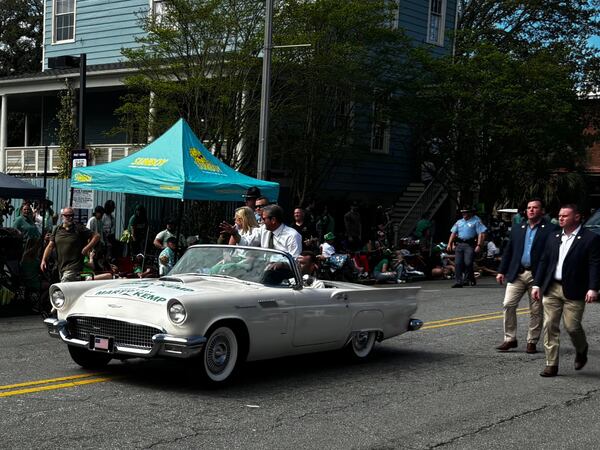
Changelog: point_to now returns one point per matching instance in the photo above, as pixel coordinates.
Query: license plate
(104, 344)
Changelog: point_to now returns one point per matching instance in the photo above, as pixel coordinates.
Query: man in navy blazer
(518, 267)
(568, 278)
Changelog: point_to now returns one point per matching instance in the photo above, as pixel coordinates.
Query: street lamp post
(263, 132)
(62, 62)
(82, 87)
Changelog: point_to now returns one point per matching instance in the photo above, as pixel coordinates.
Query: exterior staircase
(417, 200)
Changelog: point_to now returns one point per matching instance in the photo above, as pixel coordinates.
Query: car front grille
(125, 334)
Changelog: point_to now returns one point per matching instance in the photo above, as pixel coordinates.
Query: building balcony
(30, 160)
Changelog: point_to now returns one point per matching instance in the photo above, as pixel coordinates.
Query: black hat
(252, 192)
(467, 209)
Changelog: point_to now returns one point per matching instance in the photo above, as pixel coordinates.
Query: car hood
(161, 290)
(145, 301)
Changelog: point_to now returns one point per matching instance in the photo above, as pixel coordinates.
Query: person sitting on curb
(383, 272)
(327, 248)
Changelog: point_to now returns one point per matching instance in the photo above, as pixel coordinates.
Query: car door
(320, 317)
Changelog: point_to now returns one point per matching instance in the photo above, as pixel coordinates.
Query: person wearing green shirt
(25, 223)
(423, 228)
(383, 270)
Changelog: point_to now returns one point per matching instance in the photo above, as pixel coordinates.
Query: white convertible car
(225, 305)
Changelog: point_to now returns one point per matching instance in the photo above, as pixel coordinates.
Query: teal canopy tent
(176, 165)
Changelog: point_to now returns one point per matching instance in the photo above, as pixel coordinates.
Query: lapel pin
(558, 235)
(522, 226)
(543, 226)
(578, 237)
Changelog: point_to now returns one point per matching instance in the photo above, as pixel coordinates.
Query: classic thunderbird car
(225, 305)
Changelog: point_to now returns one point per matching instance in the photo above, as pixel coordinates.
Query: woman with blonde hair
(247, 227)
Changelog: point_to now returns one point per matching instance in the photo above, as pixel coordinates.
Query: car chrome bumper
(162, 344)
(414, 324)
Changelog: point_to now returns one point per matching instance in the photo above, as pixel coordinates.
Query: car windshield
(254, 264)
(594, 221)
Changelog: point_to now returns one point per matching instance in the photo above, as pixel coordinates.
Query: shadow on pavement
(297, 371)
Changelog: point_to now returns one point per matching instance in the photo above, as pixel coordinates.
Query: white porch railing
(30, 160)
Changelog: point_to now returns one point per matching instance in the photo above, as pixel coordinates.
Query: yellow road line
(454, 319)
(55, 386)
(463, 322)
(48, 381)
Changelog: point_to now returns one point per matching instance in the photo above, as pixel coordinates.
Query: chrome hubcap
(217, 354)
(360, 340)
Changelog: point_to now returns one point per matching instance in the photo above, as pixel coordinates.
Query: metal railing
(422, 204)
(30, 160)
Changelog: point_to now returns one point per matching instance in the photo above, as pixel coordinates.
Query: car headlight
(57, 298)
(177, 312)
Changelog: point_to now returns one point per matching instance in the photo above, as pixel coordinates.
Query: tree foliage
(66, 131)
(199, 61)
(503, 113)
(20, 36)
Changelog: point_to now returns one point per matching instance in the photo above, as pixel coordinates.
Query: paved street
(443, 386)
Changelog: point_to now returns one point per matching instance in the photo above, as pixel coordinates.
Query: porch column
(26, 131)
(3, 131)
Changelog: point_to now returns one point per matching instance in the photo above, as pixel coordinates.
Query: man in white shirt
(277, 235)
(160, 241)
(94, 223)
(568, 277)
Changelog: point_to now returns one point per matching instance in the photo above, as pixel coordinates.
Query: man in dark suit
(518, 268)
(568, 278)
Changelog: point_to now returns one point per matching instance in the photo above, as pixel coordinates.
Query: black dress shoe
(549, 371)
(581, 360)
(457, 285)
(506, 346)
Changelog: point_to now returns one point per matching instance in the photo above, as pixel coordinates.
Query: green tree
(201, 61)
(503, 114)
(66, 131)
(20, 36)
(198, 60)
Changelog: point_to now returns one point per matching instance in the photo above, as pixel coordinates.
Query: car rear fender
(367, 320)
(385, 309)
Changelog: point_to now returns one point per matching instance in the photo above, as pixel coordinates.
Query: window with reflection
(435, 32)
(64, 20)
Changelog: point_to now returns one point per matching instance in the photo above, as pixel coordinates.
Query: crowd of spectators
(359, 247)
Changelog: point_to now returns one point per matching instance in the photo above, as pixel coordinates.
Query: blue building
(101, 29)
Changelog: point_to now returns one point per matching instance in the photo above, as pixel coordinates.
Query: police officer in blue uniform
(466, 239)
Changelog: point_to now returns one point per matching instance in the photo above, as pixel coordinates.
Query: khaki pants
(555, 306)
(514, 292)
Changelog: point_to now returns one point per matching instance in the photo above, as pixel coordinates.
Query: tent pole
(179, 214)
(145, 248)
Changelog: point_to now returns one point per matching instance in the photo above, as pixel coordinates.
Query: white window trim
(385, 150)
(396, 21)
(66, 41)
(151, 6)
(442, 34)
